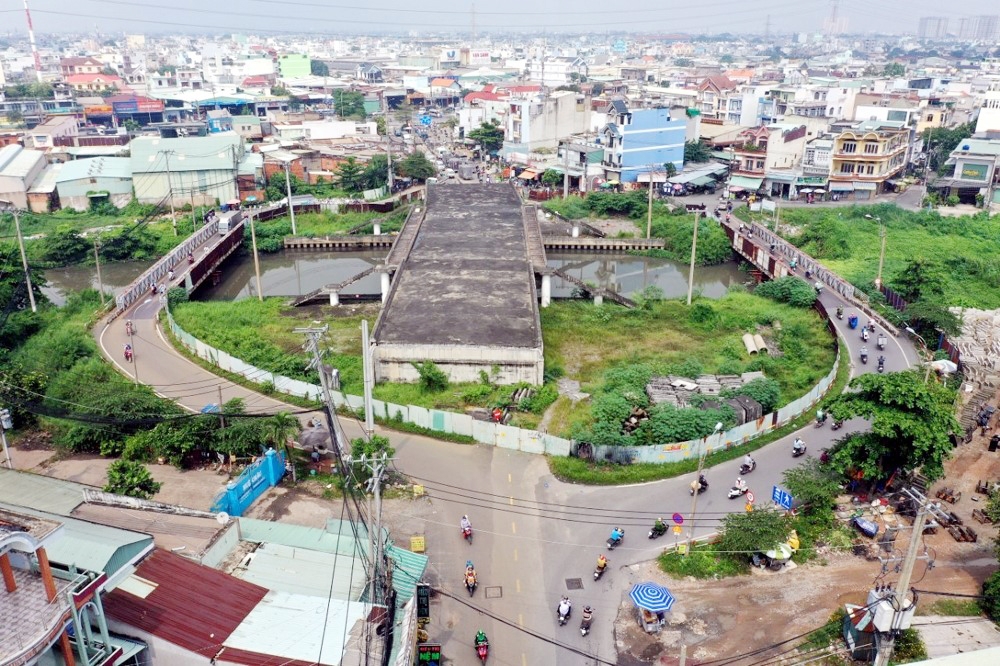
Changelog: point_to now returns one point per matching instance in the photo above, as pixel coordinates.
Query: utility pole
(5, 425)
(565, 171)
(694, 247)
(388, 143)
(881, 255)
(288, 193)
(170, 192)
(369, 378)
(24, 257)
(899, 592)
(97, 262)
(696, 487)
(256, 257)
(649, 208)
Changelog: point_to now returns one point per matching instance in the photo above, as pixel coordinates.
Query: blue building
(642, 141)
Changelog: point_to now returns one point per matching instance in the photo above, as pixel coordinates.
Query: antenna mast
(34, 47)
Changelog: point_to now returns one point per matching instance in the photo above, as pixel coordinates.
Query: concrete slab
(945, 635)
(467, 280)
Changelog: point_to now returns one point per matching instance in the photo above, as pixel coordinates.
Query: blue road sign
(425, 120)
(781, 497)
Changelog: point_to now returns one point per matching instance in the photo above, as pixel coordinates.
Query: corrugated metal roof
(39, 492)
(409, 570)
(91, 546)
(306, 572)
(191, 153)
(46, 182)
(98, 167)
(297, 536)
(193, 606)
(17, 162)
(290, 626)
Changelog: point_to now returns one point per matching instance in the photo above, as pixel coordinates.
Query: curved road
(533, 534)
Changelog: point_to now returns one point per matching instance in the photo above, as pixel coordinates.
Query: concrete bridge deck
(464, 294)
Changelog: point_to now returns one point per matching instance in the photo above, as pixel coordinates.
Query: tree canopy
(911, 426)
(318, 68)
(489, 135)
(753, 531)
(349, 104)
(416, 166)
(350, 175)
(696, 151)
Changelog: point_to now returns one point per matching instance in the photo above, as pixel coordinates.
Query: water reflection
(293, 273)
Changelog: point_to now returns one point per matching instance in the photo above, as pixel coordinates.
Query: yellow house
(867, 156)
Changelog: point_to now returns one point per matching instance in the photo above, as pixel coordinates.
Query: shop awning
(866, 187)
(781, 177)
(702, 181)
(841, 187)
(528, 174)
(746, 182)
(658, 177)
(129, 648)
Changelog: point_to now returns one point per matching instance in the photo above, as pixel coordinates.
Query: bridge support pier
(385, 285)
(546, 290)
(378, 228)
(334, 298)
(598, 299)
(576, 231)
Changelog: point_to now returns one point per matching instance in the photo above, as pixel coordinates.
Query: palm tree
(280, 429)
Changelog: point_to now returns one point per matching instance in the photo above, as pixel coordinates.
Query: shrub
(540, 400)
(765, 391)
(789, 290)
(991, 597)
(126, 477)
(432, 378)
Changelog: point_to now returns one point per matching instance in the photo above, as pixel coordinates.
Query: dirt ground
(738, 615)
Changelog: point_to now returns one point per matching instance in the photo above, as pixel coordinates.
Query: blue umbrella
(654, 598)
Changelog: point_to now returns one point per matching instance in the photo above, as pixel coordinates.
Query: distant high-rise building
(933, 27)
(979, 28)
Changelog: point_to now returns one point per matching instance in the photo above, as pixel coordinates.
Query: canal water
(293, 273)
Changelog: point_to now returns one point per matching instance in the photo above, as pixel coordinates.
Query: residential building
(19, 169)
(989, 113)
(87, 65)
(536, 121)
(713, 94)
(219, 120)
(933, 27)
(198, 169)
(322, 130)
(248, 127)
(44, 136)
(641, 141)
(293, 65)
(977, 172)
(979, 28)
(100, 179)
(769, 157)
(95, 82)
(556, 72)
(866, 157)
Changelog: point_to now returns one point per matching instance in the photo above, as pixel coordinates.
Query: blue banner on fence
(241, 492)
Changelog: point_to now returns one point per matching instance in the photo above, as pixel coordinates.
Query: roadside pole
(694, 247)
(696, 487)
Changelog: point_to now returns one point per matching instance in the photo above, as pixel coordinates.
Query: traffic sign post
(678, 518)
(425, 120)
(749, 497)
(678, 529)
(781, 497)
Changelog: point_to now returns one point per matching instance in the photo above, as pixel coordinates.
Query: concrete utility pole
(9, 205)
(256, 256)
(902, 586)
(369, 378)
(170, 192)
(565, 171)
(649, 207)
(5, 425)
(288, 193)
(97, 262)
(694, 247)
(694, 495)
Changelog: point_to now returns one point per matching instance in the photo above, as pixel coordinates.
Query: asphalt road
(533, 534)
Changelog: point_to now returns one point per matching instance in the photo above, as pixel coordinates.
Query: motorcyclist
(565, 606)
(465, 524)
(881, 361)
(602, 562)
(481, 638)
(864, 352)
(840, 313)
(702, 481)
(798, 444)
(659, 525)
(741, 484)
(588, 615)
(747, 461)
(617, 534)
(820, 415)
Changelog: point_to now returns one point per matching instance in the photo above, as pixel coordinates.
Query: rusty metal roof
(190, 605)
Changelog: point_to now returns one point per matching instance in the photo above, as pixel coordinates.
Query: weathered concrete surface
(466, 292)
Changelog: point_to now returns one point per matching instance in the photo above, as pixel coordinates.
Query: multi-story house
(769, 159)
(713, 94)
(867, 155)
(87, 65)
(556, 71)
(642, 141)
(816, 163)
(536, 121)
(977, 172)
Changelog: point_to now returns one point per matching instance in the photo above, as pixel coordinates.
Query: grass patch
(328, 223)
(826, 635)
(952, 607)
(704, 561)
(966, 248)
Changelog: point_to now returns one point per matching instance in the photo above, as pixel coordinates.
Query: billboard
(974, 171)
(138, 105)
(479, 57)
(97, 110)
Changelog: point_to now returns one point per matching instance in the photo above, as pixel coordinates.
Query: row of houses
(93, 578)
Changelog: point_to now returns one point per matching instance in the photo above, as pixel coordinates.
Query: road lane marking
(513, 527)
(510, 478)
(511, 499)
(515, 554)
(524, 660)
(520, 619)
(517, 584)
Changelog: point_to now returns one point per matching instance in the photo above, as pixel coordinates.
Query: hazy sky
(425, 16)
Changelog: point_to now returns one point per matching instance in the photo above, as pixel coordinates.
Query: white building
(989, 113)
(539, 122)
(19, 169)
(322, 130)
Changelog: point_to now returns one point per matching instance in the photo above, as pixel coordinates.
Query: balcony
(29, 623)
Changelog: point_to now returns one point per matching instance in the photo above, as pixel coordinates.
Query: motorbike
(483, 650)
(599, 571)
(657, 532)
(129, 328)
(467, 534)
(837, 425)
(736, 491)
(798, 450)
(190, 258)
(746, 469)
(128, 355)
(881, 341)
(471, 584)
(820, 421)
(881, 364)
(864, 358)
(864, 334)
(614, 543)
(840, 313)
(701, 485)
(852, 321)
(585, 625)
(564, 616)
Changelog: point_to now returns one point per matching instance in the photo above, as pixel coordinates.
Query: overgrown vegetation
(132, 479)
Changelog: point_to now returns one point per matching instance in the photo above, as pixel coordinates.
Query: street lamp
(923, 344)
(695, 487)
(881, 254)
